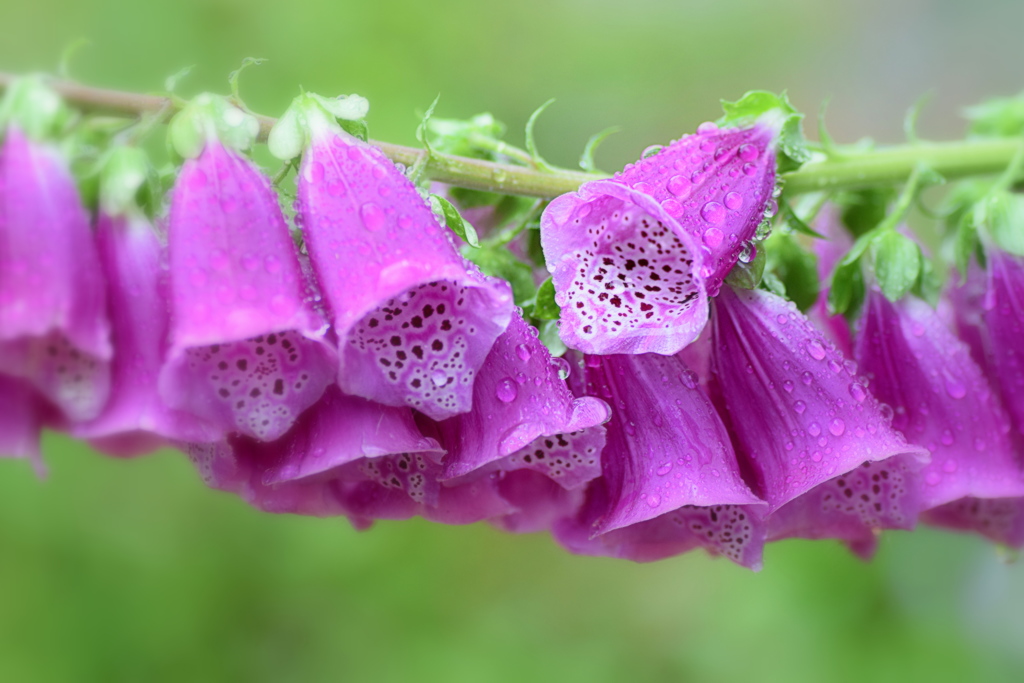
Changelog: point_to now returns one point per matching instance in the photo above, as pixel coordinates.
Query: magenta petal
(53, 321)
(524, 416)
(855, 505)
(414, 320)
(798, 412)
(998, 519)
(20, 420)
(539, 502)
(247, 351)
(941, 400)
(666, 445)
(341, 438)
(735, 531)
(136, 419)
(625, 274)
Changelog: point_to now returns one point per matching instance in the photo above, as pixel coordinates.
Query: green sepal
(455, 136)
(549, 337)
(965, 243)
(864, 210)
(846, 289)
(37, 110)
(928, 285)
(309, 114)
(1001, 216)
(500, 262)
(587, 158)
(544, 306)
(896, 263)
(747, 275)
(531, 143)
(997, 117)
(124, 172)
(758, 105)
(797, 224)
(207, 117)
(795, 268)
(454, 220)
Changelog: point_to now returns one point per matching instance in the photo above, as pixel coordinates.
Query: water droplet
(672, 207)
(799, 407)
(561, 366)
(689, 379)
(679, 185)
(642, 187)
(954, 387)
(713, 212)
(947, 437)
(654, 500)
(837, 427)
(315, 172)
(834, 365)
(372, 215)
(507, 390)
(748, 252)
(651, 151)
(707, 128)
(806, 377)
(771, 208)
(949, 466)
(271, 264)
(816, 349)
(713, 237)
(858, 392)
(734, 201)
(523, 351)
(748, 152)
(438, 378)
(664, 469)
(788, 386)
(749, 169)
(814, 429)
(933, 478)
(979, 444)
(886, 410)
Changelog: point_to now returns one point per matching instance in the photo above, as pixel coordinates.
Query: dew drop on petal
(734, 201)
(858, 392)
(523, 351)
(713, 237)
(507, 390)
(713, 212)
(815, 348)
(799, 407)
(372, 215)
(748, 152)
(679, 185)
(837, 427)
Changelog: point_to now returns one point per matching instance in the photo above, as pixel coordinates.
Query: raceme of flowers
(360, 365)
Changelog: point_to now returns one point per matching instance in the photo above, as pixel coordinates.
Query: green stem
(885, 166)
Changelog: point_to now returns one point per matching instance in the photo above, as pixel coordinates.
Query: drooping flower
(941, 400)
(670, 479)
(634, 258)
(247, 349)
(54, 332)
(414, 320)
(525, 417)
(804, 422)
(346, 456)
(135, 419)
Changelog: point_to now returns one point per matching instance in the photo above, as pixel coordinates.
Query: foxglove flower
(54, 332)
(634, 258)
(135, 419)
(801, 417)
(941, 400)
(670, 478)
(414, 320)
(525, 417)
(247, 350)
(346, 456)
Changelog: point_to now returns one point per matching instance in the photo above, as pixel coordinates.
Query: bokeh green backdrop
(124, 571)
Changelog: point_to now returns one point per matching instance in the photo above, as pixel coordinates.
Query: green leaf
(863, 210)
(928, 285)
(796, 224)
(795, 267)
(587, 158)
(846, 289)
(912, 115)
(997, 117)
(549, 337)
(454, 220)
(500, 262)
(172, 81)
(478, 137)
(544, 307)
(1001, 215)
(531, 143)
(965, 242)
(763, 105)
(747, 275)
(896, 262)
(421, 130)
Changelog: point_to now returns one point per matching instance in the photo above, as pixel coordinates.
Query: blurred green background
(124, 571)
